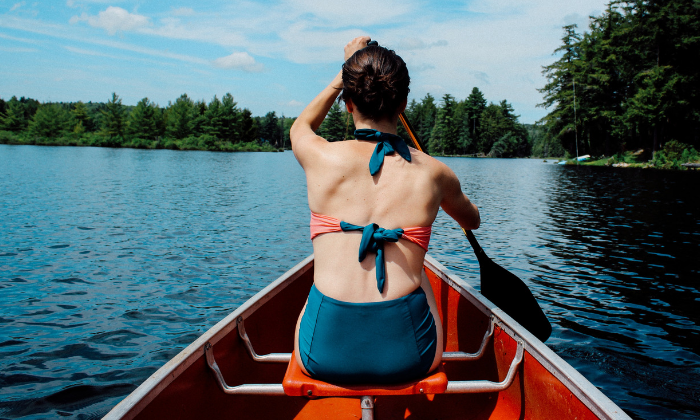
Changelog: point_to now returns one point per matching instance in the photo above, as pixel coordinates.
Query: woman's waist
(353, 283)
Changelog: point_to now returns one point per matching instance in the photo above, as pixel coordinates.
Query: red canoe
(240, 369)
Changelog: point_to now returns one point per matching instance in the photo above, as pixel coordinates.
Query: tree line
(183, 124)
(631, 82)
(451, 127)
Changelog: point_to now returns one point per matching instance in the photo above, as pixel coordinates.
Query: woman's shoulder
(322, 153)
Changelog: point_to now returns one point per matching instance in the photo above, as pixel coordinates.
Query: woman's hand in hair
(356, 44)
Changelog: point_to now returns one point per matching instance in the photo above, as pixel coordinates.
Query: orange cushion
(297, 383)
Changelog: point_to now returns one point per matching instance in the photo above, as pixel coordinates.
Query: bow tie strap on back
(373, 239)
(387, 143)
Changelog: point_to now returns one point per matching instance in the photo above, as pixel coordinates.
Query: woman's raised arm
(302, 134)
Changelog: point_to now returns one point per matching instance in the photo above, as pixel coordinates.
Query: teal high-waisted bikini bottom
(375, 343)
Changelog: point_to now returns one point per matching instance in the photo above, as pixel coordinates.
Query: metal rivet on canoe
(309, 393)
(421, 390)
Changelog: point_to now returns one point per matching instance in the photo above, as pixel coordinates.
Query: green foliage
(500, 133)
(180, 115)
(444, 137)
(249, 127)
(199, 120)
(287, 125)
(213, 117)
(637, 84)
(475, 106)
(113, 119)
(14, 117)
(270, 130)
(673, 154)
(230, 120)
(50, 120)
(143, 120)
(81, 116)
(543, 143)
(333, 126)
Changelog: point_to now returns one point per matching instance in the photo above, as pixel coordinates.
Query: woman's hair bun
(376, 79)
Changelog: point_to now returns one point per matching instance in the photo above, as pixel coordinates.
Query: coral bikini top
(373, 236)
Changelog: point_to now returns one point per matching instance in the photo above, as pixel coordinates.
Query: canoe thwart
(460, 356)
(265, 358)
(247, 389)
(465, 387)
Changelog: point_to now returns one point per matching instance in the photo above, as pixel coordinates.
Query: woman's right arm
(305, 142)
(303, 132)
(456, 203)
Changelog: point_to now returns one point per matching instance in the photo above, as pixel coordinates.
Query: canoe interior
(535, 393)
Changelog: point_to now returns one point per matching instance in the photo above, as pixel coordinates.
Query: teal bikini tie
(373, 238)
(386, 144)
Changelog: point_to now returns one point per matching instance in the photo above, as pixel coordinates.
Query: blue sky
(275, 55)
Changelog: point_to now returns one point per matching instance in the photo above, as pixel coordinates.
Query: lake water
(114, 260)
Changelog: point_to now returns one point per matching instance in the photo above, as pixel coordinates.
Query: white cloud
(239, 61)
(183, 11)
(412, 43)
(295, 103)
(18, 49)
(343, 13)
(61, 31)
(14, 38)
(17, 6)
(113, 20)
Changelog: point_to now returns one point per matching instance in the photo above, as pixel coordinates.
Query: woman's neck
(384, 126)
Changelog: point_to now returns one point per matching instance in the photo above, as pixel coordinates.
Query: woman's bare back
(402, 194)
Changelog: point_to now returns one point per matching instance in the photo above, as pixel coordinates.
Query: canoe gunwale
(130, 406)
(583, 389)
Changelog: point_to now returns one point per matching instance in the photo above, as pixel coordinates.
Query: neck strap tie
(373, 238)
(386, 144)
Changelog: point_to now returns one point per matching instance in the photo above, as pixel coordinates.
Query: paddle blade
(511, 294)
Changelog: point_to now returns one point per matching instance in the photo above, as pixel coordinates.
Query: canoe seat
(297, 383)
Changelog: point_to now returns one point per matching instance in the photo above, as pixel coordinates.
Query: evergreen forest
(184, 124)
(631, 82)
(451, 127)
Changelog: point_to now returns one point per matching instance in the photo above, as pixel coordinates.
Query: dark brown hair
(376, 79)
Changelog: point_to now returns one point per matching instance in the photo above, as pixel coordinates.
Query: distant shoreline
(202, 143)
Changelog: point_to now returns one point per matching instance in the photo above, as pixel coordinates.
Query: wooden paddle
(498, 285)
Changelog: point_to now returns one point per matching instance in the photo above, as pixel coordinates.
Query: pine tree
(444, 137)
(249, 127)
(230, 119)
(199, 120)
(427, 113)
(14, 119)
(82, 117)
(475, 106)
(113, 121)
(50, 121)
(213, 118)
(142, 121)
(269, 128)
(180, 115)
(559, 90)
(333, 127)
